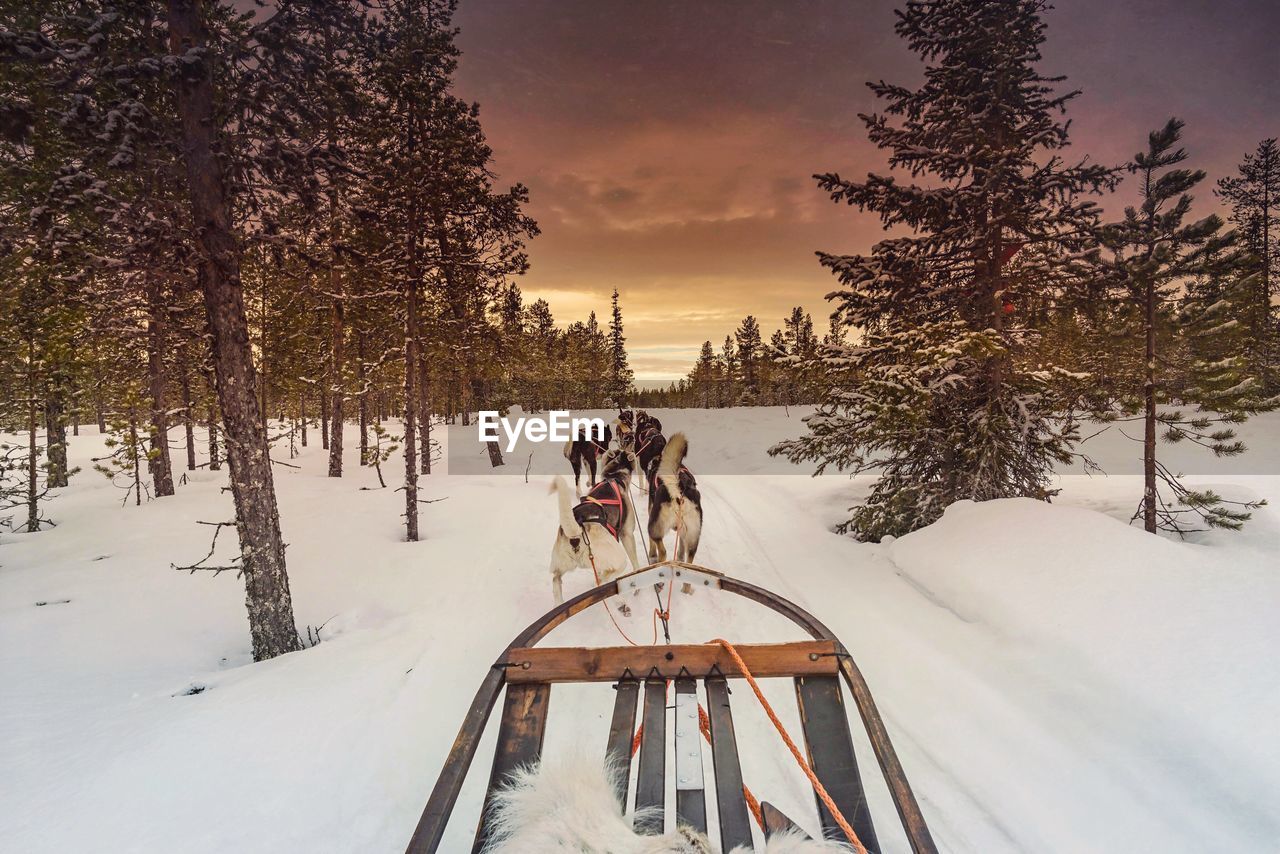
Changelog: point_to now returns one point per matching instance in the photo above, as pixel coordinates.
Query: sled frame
(641, 675)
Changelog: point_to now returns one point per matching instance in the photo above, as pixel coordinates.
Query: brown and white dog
(603, 522)
(674, 502)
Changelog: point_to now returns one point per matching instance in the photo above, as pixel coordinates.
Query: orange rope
(704, 726)
(609, 610)
(795, 752)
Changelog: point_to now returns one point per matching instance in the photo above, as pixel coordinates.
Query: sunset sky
(668, 146)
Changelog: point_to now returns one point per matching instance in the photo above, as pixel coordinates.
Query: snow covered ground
(1054, 680)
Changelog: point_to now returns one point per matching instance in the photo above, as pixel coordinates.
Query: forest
(250, 228)
(1004, 459)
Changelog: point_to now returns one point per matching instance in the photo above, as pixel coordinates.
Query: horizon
(653, 139)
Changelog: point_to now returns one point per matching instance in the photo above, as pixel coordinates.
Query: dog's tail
(669, 464)
(568, 450)
(568, 523)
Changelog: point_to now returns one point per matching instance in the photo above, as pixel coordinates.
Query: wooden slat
(609, 664)
(731, 804)
(524, 722)
(830, 749)
(691, 798)
(776, 821)
(621, 732)
(652, 778)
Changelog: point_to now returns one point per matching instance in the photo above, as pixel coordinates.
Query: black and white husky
(605, 518)
(647, 444)
(674, 503)
(586, 450)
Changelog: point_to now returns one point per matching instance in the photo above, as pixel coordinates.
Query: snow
(1053, 679)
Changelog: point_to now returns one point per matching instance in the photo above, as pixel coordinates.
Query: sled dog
(674, 502)
(602, 521)
(647, 445)
(586, 450)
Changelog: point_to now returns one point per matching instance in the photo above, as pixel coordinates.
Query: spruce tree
(932, 395)
(1254, 197)
(704, 376)
(749, 349)
(620, 373)
(1187, 378)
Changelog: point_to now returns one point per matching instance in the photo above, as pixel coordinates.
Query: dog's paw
(624, 609)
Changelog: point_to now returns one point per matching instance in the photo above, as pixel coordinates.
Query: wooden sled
(640, 675)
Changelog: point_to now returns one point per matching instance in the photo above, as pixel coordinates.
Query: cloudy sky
(669, 146)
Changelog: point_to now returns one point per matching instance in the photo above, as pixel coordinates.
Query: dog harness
(595, 505)
(649, 434)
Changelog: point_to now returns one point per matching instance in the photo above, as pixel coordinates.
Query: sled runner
(640, 677)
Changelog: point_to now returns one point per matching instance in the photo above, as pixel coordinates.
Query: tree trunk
(424, 414)
(188, 420)
(136, 461)
(33, 447)
(158, 461)
(215, 456)
(336, 359)
(362, 399)
(324, 418)
(411, 403)
(270, 607)
(302, 415)
(263, 375)
(1149, 395)
(99, 410)
(99, 413)
(477, 400)
(55, 433)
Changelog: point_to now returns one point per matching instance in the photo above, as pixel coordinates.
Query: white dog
(604, 518)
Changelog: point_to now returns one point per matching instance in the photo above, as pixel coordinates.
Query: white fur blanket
(567, 806)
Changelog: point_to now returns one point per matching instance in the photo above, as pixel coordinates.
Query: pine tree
(1254, 196)
(749, 350)
(268, 599)
(620, 374)
(798, 334)
(544, 344)
(933, 395)
(703, 378)
(1145, 261)
(728, 387)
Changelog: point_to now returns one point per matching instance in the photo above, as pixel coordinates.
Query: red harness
(650, 433)
(595, 496)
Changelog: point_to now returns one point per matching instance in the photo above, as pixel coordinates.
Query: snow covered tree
(932, 394)
(1254, 197)
(1188, 358)
(268, 599)
(620, 374)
